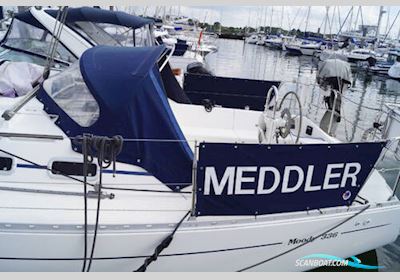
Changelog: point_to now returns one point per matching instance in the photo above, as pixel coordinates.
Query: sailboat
(105, 168)
(394, 70)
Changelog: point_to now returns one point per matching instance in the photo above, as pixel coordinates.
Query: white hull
(198, 246)
(308, 51)
(252, 39)
(132, 225)
(394, 71)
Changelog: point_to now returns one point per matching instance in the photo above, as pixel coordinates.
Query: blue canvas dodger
(127, 86)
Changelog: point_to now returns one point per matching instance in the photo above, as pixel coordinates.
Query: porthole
(6, 163)
(72, 168)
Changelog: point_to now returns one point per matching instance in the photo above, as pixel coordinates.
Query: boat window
(143, 37)
(72, 168)
(94, 33)
(114, 35)
(26, 37)
(5, 163)
(124, 35)
(69, 91)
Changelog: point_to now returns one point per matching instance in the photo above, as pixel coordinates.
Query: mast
(308, 17)
(381, 12)
(265, 20)
(270, 23)
(350, 20)
(387, 20)
(326, 19)
(356, 21)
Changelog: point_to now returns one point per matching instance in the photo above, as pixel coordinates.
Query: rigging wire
(391, 26)
(58, 27)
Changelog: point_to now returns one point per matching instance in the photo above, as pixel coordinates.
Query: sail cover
(127, 86)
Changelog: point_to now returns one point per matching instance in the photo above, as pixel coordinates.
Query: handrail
(168, 57)
(8, 114)
(397, 182)
(267, 105)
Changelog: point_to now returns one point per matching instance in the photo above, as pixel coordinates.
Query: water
(361, 104)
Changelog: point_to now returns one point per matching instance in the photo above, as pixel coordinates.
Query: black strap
(164, 244)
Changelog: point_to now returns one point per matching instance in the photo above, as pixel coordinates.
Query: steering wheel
(284, 130)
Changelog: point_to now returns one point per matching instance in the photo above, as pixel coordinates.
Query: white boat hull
(308, 51)
(200, 246)
(394, 71)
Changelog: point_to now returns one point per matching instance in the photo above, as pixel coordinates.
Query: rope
(85, 164)
(106, 150)
(307, 242)
(164, 244)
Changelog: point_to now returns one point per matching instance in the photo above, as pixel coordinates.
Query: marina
(137, 143)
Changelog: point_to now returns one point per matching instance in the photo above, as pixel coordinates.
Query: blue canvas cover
(127, 86)
(227, 92)
(28, 18)
(103, 16)
(257, 179)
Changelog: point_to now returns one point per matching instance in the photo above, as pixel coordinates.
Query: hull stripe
(361, 229)
(122, 172)
(136, 257)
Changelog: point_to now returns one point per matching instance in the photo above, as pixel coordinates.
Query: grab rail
(397, 182)
(8, 114)
(168, 57)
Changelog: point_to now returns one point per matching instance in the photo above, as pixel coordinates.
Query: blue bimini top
(89, 14)
(127, 86)
(103, 16)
